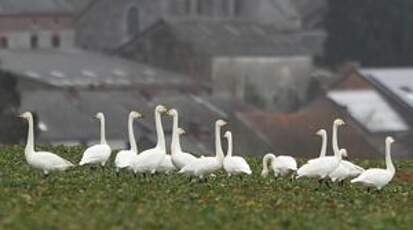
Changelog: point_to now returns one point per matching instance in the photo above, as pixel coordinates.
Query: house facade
(36, 24)
(107, 24)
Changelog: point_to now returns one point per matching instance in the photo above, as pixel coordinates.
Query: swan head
(343, 153)
(161, 109)
(227, 134)
(135, 114)
(389, 140)
(221, 123)
(172, 112)
(181, 131)
(339, 122)
(26, 115)
(99, 116)
(321, 132)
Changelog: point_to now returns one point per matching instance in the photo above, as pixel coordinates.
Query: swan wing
(124, 158)
(95, 154)
(182, 159)
(149, 160)
(286, 162)
(353, 168)
(50, 161)
(166, 165)
(374, 177)
(236, 165)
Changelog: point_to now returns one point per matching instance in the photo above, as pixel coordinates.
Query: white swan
(179, 158)
(375, 177)
(234, 165)
(124, 158)
(149, 160)
(45, 161)
(281, 165)
(346, 169)
(320, 167)
(323, 134)
(204, 166)
(100, 153)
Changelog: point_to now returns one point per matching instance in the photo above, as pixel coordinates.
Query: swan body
(179, 158)
(204, 166)
(125, 158)
(149, 160)
(166, 165)
(281, 165)
(345, 170)
(100, 153)
(44, 161)
(234, 165)
(378, 178)
(320, 167)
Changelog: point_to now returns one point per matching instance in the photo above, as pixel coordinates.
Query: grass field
(96, 199)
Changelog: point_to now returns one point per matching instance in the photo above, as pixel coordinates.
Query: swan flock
(160, 159)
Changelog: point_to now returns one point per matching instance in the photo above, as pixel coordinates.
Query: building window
(238, 5)
(132, 21)
(55, 40)
(4, 43)
(34, 41)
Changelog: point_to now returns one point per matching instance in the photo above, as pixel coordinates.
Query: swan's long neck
(323, 150)
(389, 163)
(102, 131)
(218, 146)
(229, 149)
(335, 139)
(267, 158)
(30, 138)
(159, 131)
(175, 143)
(131, 134)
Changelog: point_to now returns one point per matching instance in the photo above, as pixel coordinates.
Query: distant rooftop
(369, 109)
(399, 81)
(77, 68)
(240, 37)
(13, 7)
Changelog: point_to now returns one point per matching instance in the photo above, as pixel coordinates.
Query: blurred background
(277, 70)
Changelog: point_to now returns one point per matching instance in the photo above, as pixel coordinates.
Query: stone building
(107, 24)
(26, 24)
(245, 60)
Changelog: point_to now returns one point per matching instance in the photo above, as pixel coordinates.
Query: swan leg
(327, 183)
(341, 183)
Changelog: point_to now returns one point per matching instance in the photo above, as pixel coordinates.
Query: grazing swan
(346, 169)
(234, 165)
(100, 153)
(149, 160)
(179, 158)
(206, 165)
(45, 161)
(375, 177)
(281, 165)
(124, 158)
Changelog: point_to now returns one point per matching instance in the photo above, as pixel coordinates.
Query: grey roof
(12, 7)
(67, 68)
(370, 110)
(398, 81)
(239, 37)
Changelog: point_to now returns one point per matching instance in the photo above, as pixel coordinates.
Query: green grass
(85, 199)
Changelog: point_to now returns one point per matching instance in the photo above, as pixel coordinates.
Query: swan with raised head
(376, 177)
(321, 167)
(281, 165)
(346, 169)
(179, 158)
(44, 161)
(124, 158)
(99, 153)
(149, 160)
(204, 166)
(234, 165)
